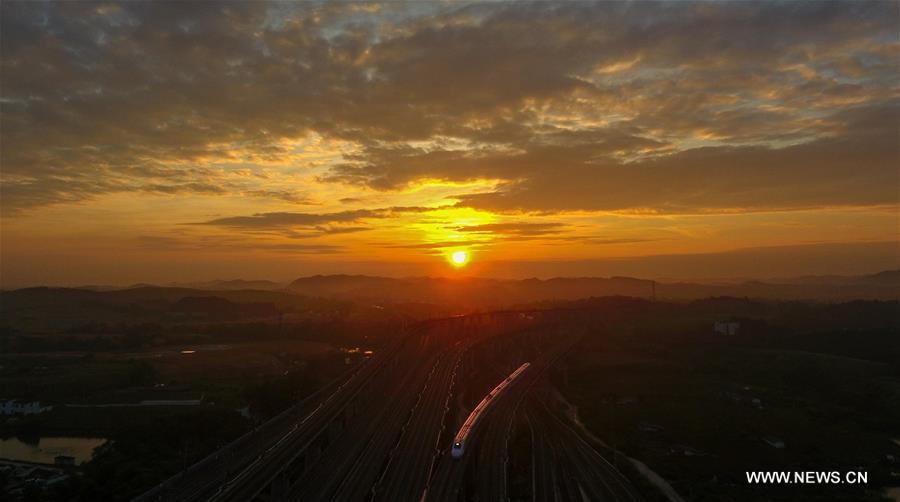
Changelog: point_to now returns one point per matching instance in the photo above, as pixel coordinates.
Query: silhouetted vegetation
(823, 378)
(147, 447)
(271, 395)
(654, 381)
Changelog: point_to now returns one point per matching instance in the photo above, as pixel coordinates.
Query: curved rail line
(459, 442)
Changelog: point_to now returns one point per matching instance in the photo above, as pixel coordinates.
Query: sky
(186, 141)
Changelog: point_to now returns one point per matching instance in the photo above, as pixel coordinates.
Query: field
(237, 384)
(700, 415)
(174, 372)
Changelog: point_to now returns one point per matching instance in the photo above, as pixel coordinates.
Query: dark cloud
(612, 102)
(317, 221)
(847, 258)
(186, 187)
(318, 231)
(436, 245)
(856, 167)
(514, 228)
(283, 219)
(342, 230)
(439, 246)
(224, 244)
(285, 195)
(605, 241)
(395, 167)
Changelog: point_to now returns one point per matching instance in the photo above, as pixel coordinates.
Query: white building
(727, 328)
(15, 407)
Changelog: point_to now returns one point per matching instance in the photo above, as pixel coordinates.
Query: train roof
(479, 410)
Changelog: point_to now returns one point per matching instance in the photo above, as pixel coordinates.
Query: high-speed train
(459, 442)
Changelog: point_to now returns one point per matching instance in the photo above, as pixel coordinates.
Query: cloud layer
(573, 106)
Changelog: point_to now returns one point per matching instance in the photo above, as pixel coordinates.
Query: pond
(47, 448)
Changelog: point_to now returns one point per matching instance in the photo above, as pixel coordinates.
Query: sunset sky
(157, 142)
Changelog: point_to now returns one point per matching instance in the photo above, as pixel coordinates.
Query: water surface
(48, 448)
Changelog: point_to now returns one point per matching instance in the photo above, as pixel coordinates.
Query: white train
(459, 442)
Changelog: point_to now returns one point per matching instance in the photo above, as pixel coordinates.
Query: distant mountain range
(490, 293)
(42, 308)
(339, 295)
(217, 285)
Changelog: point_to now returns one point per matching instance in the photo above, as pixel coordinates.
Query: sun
(459, 258)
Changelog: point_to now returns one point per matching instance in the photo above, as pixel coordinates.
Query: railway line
(385, 430)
